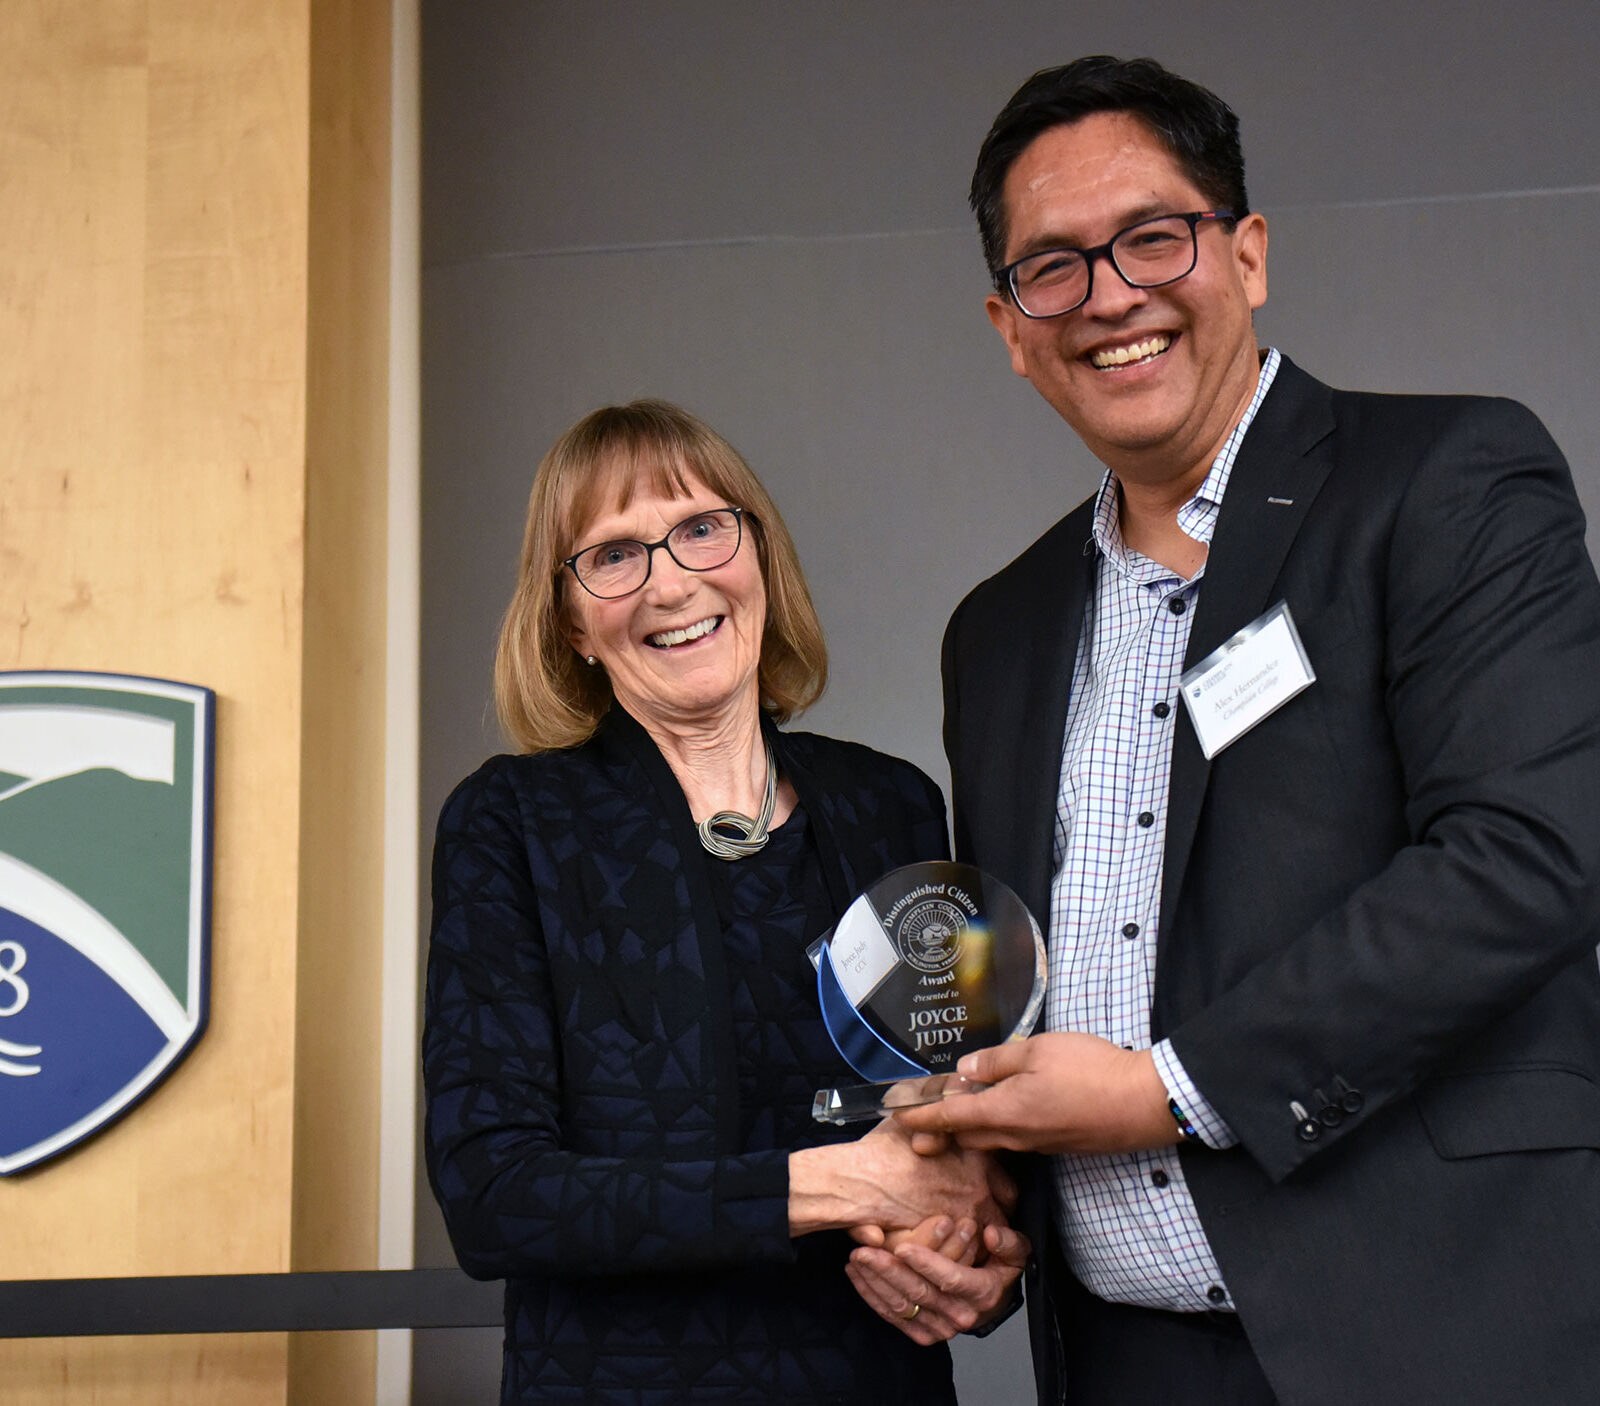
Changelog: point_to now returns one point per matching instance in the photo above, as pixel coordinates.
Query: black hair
(1193, 123)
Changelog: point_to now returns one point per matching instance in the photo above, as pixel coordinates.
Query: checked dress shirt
(1128, 1222)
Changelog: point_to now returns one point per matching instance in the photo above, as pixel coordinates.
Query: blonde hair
(546, 696)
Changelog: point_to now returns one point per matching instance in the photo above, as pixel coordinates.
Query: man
(1291, 736)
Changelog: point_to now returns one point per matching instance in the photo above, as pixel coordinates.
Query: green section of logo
(122, 843)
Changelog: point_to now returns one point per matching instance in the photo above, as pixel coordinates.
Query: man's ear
(1007, 322)
(1250, 254)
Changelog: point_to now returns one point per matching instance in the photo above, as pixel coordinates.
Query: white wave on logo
(16, 1051)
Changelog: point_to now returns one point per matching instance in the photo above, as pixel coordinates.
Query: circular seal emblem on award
(929, 935)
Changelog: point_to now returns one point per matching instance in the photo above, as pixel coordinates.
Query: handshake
(936, 1255)
(926, 1201)
(951, 1272)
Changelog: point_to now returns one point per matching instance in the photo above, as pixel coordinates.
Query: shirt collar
(1197, 517)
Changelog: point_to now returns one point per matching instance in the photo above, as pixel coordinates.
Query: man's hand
(1065, 1092)
(960, 1240)
(929, 1296)
(880, 1180)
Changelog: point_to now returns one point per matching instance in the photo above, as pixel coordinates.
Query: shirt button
(1161, 710)
(1158, 1177)
(1130, 930)
(1146, 819)
(1217, 1294)
(1177, 605)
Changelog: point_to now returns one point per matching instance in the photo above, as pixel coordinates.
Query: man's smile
(1132, 354)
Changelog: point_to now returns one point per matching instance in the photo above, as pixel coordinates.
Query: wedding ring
(916, 1308)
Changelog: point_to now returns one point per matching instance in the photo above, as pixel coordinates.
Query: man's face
(1191, 362)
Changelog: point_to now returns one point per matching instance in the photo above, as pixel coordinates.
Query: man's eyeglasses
(699, 543)
(1146, 255)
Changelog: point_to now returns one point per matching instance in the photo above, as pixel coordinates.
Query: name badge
(1244, 680)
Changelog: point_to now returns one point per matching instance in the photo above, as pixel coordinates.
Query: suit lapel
(1281, 467)
(1045, 670)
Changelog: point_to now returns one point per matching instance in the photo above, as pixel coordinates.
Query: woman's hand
(931, 1296)
(879, 1180)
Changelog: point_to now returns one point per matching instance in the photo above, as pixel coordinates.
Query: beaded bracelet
(1184, 1125)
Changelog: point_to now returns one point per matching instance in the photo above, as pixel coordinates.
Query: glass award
(932, 962)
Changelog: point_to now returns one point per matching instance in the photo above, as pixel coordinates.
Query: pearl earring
(592, 660)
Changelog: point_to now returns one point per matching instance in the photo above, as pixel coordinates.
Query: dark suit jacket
(1380, 906)
(583, 1122)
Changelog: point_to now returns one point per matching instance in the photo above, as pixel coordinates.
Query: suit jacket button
(1310, 1130)
(1350, 1099)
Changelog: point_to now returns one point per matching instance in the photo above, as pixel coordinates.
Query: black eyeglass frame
(571, 563)
(1006, 278)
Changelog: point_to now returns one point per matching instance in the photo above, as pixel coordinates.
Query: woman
(622, 1037)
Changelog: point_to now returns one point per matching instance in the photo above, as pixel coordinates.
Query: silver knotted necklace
(753, 833)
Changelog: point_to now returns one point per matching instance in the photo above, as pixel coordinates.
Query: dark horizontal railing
(248, 1303)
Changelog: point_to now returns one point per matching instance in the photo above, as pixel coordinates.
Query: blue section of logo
(62, 1016)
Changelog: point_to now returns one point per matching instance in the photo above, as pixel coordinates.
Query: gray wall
(758, 211)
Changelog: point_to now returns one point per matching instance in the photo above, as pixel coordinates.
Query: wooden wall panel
(155, 278)
(341, 837)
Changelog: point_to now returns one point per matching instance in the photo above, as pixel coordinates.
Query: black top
(621, 1048)
(772, 904)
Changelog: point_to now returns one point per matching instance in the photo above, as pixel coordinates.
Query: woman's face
(684, 650)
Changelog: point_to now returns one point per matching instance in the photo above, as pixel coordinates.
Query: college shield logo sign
(105, 846)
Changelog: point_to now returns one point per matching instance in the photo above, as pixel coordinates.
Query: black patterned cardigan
(582, 1101)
